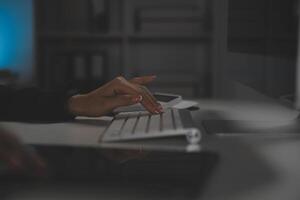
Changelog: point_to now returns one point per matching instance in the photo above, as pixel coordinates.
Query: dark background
(84, 43)
(193, 46)
(262, 45)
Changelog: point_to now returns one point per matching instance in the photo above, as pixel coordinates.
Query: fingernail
(159, 107)
(137, 99)
(140, 98)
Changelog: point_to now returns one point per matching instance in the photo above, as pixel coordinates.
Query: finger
(148, 103)
(123, 100)
(150, 100)
(125, 87)
(143, 80)
(153, 99)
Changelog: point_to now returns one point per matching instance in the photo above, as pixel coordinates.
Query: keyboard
(142, 125)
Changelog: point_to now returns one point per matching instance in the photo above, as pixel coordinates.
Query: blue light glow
(16, 35)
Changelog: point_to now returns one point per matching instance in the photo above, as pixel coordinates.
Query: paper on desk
(184, 104)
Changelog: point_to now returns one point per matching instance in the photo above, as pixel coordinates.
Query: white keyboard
(142, 125)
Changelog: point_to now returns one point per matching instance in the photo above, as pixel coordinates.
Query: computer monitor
(16, 38)
(262, 45)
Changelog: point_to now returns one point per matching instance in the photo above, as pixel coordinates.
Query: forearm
(32, 104)
(35, 105)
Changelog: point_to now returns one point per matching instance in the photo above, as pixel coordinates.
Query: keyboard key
(129, 127)
(167, 120)
(142, 126)
(177, 119)
(154, 125)
(131, 114)
(115, 127)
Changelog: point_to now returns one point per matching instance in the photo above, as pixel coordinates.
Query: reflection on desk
(86, 172)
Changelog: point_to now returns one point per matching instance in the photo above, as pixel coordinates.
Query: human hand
(17, 158)
(116, 93)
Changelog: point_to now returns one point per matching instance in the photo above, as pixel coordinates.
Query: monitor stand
(227, 127)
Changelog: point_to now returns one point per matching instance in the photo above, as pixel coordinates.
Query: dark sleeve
(32, 104)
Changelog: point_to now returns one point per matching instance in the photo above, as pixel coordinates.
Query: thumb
(125, 100)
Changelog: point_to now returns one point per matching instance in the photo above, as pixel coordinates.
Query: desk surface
(249, 167)
(258, 167)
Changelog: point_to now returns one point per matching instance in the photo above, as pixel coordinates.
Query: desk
(248, 167)
(265, 168)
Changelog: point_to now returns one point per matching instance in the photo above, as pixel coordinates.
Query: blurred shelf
(183, 42)
(80, 36)
(119, 37)
(275, 36)
(169, 38)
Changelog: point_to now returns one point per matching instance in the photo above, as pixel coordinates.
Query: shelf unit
(131, 52)
(119, 37)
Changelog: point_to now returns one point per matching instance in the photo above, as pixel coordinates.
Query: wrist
(76, 105)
